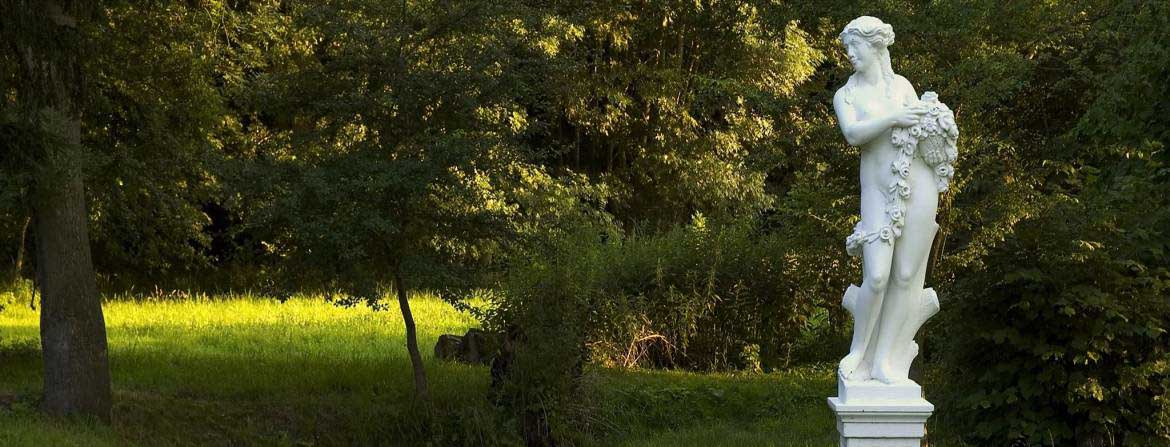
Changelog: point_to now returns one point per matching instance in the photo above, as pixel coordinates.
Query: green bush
(547, 313)
(706, 296)
(1061, 339)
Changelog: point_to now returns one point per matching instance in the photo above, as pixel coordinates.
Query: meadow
(251, 370)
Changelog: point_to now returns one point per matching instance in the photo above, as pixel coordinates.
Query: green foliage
(153, 98)
(395, 143)
(1133, 43)
(1062, 337)
(549, 313)
(155, 123)
(644, 97)
(707, 296)
(704, 296)
(36, 105)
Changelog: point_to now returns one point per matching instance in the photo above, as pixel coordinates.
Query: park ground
(250, 370)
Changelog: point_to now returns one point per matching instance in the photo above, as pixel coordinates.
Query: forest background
(638, 184)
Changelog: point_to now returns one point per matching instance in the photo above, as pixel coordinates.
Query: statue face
(861, 53)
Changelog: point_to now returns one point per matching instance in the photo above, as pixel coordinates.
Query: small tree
(401, 147)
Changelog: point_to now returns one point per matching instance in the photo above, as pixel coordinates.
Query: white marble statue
(908, 147)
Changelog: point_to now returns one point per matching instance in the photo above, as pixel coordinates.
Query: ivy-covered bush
(1061, 339)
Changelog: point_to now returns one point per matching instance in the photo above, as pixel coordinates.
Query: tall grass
(226, 358)
(249, 370)
(253, 345)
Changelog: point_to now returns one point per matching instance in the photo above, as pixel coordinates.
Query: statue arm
(909, 95)
(858, 132)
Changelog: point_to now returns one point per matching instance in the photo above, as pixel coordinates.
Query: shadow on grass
(220, 399)
(680, 408)
(226, 399)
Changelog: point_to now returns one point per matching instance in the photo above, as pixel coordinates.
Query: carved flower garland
(934, 139)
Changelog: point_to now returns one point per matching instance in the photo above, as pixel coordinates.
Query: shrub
(550, 304)
(1061, 339)
(706, 296)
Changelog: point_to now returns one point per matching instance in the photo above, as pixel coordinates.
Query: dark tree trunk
(420, 372)
(73, 331)
(18, 269)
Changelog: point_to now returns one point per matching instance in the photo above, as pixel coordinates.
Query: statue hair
(880, 35)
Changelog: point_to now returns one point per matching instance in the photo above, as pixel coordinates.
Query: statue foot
(884, 373)
(848, 366)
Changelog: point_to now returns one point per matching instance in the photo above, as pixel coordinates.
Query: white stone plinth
(874, 414)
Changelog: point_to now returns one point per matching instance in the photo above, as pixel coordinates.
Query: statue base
(874, 414)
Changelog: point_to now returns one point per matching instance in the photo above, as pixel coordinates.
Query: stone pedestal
(873, 414)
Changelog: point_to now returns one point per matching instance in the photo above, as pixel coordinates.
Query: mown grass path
(246, 370)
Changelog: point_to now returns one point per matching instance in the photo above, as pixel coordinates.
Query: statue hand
(909, 116)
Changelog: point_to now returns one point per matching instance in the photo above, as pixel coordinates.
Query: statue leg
(907, 276)
(876, 259)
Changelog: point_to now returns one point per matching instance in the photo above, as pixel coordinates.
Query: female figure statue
(907, 150)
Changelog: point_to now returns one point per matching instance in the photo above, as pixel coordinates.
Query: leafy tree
(677, 106)
(401, 148)
(1063, 336)
(1074, 299)
(149, 135)
(159, 121)
(42, 112)
(1130, 48)
(154, 115)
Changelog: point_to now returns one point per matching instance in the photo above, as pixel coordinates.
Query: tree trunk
(18, 268)
(420, 372)
(73, 332)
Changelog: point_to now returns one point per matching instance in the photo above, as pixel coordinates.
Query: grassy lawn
(247, 370)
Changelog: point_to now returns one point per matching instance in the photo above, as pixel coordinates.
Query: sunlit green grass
(247, 370)
(254, 346)
(225, 360)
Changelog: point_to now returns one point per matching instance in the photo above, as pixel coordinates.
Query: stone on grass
(476, 347)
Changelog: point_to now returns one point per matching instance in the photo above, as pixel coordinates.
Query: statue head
(866, 40)
(870, 29)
